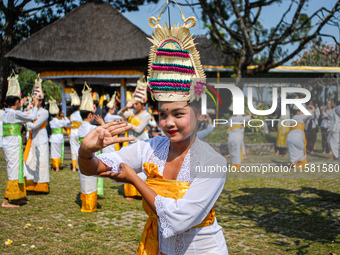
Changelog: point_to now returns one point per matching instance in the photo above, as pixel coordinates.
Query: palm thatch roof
(94, 34)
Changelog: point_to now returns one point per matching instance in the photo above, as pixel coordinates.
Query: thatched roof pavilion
(97, 44)
(94, 41)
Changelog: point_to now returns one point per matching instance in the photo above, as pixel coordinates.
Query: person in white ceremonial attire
(333, 133)
(88, 184)
(138, 118)
(177, 196)
(206, 127)
(235, 139)
(282, 133)
(57, 137)
(325, 123)
(296, 139)
(37, 148)
(76, 122)
(12, 143)
(109, 117)
(2, 111)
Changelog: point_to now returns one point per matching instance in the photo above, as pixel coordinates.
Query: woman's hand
(127, 174)
(99, 119)
(103, 136)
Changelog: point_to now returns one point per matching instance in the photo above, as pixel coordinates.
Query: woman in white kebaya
(110, 117)
(76, 121)
(235, 139)
(12, 143)
(333, 133)
(296, 139)
(179, 193)
(57, 137)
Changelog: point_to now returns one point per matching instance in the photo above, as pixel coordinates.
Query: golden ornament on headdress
(174, 61)
(140, 93)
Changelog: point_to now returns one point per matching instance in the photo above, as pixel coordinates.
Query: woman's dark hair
(43, 102)
(11, 101)
(74, 108)
(53, 115)
(84, 114)
(196, 105)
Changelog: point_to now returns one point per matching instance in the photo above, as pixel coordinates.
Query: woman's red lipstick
(171, 132)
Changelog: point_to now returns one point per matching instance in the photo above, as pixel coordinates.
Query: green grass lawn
(258, 216)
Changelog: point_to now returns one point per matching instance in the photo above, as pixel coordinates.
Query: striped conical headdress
(140, 93)
(174, 61)
(38, 91)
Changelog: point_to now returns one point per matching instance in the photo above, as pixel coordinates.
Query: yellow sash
(29, 142)
(148, 244)
(75, 124)
(134, 121)
(235, 127)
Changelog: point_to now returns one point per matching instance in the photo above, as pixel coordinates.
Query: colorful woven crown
(37, 90)
(173, 61)
(140, 93)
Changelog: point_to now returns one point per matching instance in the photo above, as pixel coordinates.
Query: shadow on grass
(305, 214)
(120, 189)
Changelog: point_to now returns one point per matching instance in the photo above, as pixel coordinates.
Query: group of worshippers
(301, 139)
(29, 170)
(298, 138)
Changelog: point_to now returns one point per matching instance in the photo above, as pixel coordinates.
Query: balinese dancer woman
(57, 137)
(138, 118)
(76, 122)
(178, 195)
(12, 143)
(235, 139)
(296, 139)
(88, 184)
(36, 153)
(110, 117)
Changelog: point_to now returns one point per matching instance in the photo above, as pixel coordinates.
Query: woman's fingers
(119, 129)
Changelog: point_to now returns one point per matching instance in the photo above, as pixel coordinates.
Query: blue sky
(270, 16)
(272, 13)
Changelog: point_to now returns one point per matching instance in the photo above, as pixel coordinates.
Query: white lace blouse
(177, 218)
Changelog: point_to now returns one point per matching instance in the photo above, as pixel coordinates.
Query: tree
(246, 39)
(21, 18)
(27, 80)
(319, 54)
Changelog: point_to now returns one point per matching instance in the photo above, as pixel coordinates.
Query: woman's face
(177, 120)
(137, 106)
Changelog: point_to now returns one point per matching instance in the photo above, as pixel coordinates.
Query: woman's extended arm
(97, 139)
